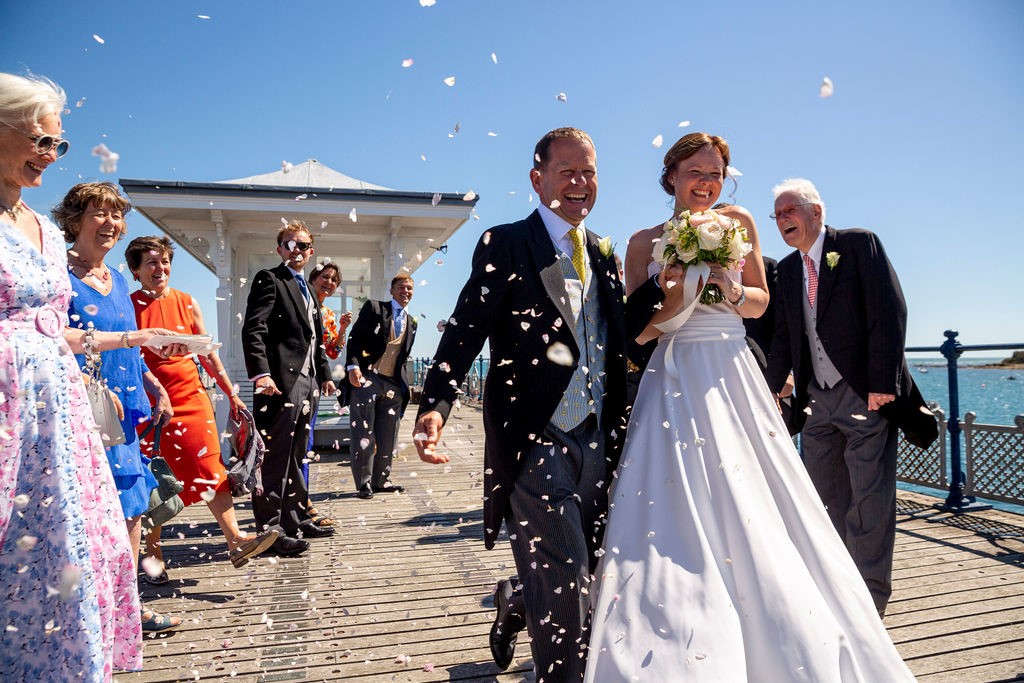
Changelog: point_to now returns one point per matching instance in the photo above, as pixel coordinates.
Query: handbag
(104, 410)
(247, 450)
(164, 501)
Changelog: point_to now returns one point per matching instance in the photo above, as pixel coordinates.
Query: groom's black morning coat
(515, 298)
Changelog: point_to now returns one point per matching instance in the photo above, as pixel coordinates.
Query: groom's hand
(426, 434)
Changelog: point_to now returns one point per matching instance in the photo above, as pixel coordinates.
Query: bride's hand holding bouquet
(703, 237)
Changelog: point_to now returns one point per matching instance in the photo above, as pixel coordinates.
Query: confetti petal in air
(436, 199)
(683, 124)
(286, 166)
(469, 196)
(491, 134)
(427, 3)
(202, 16)
(657, 141)
(494, 58)
(406, 63)
(108, 159)
(450, 81)
(733, 172)
(98, 39)
(826, 88)
(79, 103)
(352, 215)
(560, 97)
(560, 354)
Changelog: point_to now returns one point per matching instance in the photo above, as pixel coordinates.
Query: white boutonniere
(832, 259)
(605, 246)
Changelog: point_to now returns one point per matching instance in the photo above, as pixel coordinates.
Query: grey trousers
(850, 454)
(554, 511)
(285, 429)
(375, 410)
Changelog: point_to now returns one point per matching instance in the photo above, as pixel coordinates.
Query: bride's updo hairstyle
(686, 147)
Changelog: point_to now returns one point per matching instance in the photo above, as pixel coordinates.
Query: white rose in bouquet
(710, 234)
(738, 245)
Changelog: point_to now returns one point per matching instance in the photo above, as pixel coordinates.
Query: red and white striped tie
(812, 280)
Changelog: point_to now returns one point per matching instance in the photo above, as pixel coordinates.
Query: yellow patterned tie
(579, 255)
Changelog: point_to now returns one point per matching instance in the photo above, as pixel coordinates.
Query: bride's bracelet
(743, 297)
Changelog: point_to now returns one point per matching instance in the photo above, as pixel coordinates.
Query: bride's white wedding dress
(720, 562)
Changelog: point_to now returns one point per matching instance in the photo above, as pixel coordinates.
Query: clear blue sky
(922, 142)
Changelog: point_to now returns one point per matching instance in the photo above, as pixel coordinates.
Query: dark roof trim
(181, 187)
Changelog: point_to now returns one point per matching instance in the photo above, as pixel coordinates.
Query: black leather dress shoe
(310, 530)
(506, 626)
(286, 546)
(388, 487)
(365, 492)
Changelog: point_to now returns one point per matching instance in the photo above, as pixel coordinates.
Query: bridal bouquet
(703, 237)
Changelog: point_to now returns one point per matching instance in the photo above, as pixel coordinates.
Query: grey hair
(25, 100)
(802, 188)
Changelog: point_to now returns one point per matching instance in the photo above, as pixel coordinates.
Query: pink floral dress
(69, 604)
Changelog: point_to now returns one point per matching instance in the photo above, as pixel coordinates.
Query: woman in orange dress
(190, 441)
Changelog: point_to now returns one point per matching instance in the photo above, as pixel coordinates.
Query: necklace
(15, 210)
(104, 274)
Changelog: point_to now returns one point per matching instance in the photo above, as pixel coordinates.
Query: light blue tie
(399, 322)
(303, 287)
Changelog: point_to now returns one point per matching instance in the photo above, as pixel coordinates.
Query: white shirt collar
(815, 251)
(558, 229)
(296, 273)
(396, 308)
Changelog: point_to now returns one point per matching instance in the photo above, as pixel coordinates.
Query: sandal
(158, 622)
(158, 580)
(323, 522)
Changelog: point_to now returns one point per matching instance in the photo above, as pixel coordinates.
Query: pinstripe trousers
(554, 511)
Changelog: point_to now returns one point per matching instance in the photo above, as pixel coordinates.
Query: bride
(720, 563)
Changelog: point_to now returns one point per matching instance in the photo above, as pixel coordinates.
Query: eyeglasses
(44, 143)
(787, 211)
(292, 245)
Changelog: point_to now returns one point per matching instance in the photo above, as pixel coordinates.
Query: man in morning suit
(548, 298)
(378, 347)
(840, 328)
(284, 357)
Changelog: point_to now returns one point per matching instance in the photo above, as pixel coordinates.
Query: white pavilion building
(371, 232)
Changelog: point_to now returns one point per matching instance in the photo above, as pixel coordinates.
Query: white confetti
(469, 196)
(560, 97)
(658, 141)
(826, 88)
(494, 58)
(108, 159)
(98, 39)
(286, 166)
(436, 199)
(70, 578)
(733, 172)
(202, 16)
(406, 63)
(560, 354)
(428, 3)
(27, 542)
(450, 81)
(684, 124)
(352, 215)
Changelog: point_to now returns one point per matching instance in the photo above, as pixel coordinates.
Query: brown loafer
(253, 547)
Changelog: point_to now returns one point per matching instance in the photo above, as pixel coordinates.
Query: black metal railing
(951, 349)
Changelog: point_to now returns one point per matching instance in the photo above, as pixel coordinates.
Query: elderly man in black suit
(378, 346)
(840, 327)
(546, 294)
(281, 341)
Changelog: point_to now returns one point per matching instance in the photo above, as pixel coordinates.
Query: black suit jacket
(369, 338)
(276, 334)
(861, 321)
(515, 298)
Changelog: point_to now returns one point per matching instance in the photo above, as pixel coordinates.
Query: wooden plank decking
(402, 591)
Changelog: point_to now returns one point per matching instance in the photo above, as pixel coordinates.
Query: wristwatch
(743, 297)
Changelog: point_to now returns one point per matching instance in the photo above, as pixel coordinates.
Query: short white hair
(802, 188)
(25, 100)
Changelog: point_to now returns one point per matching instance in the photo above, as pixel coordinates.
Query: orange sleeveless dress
(190, 442)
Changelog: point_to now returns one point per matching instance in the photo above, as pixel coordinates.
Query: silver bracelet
(743, 297)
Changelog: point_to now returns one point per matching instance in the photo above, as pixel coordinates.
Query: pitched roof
(309, 174)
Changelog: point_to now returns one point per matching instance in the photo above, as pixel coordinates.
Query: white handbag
(104, 410)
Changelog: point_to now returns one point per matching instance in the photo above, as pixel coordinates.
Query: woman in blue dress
(92, 216)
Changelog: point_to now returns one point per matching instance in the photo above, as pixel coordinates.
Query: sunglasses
(292, 245)
(44, 143)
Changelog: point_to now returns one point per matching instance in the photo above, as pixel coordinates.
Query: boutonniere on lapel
(832, 259)
(605, 246)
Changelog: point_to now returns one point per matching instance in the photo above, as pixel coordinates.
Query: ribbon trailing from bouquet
(691, 297)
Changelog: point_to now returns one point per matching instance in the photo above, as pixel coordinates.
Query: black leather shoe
(388, 487)
(286, 546)
(310, 530)
(506, 626)
(365, 492)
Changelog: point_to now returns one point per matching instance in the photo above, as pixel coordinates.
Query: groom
(547, 297)
(840, 327)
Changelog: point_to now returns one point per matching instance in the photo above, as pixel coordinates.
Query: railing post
(956, 501)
